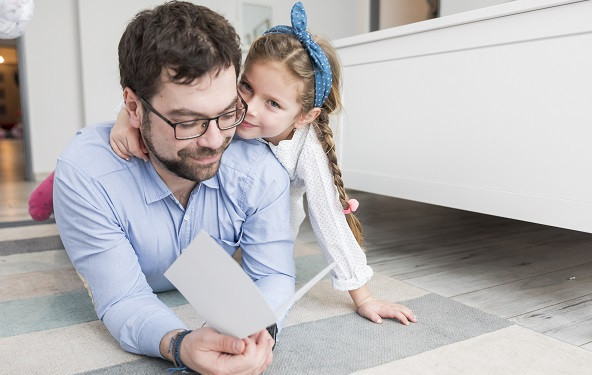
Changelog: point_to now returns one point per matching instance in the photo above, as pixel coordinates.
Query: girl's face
(272, 95)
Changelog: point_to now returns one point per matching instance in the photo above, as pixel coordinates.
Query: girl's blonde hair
(287, 49)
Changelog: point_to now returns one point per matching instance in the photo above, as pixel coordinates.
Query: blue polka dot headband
(323, 75)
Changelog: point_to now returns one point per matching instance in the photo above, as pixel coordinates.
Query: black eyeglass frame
(150, 108)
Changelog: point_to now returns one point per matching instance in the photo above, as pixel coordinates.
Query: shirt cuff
(154, 329)
(361, 277)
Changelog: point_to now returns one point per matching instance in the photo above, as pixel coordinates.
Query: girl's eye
(247, 87)
(274, 104)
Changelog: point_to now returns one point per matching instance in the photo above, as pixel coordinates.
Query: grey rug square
(347, 343)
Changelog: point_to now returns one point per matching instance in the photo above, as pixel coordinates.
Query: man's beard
(184, 166)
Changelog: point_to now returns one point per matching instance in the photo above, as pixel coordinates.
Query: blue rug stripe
(307, 267)
(23, 223)
(47, 312)
(31, 245)
(22, 316)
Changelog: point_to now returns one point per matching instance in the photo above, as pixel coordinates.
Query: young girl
(291, 84)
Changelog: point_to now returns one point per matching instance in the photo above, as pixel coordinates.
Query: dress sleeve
(327, 219)
(108, 265)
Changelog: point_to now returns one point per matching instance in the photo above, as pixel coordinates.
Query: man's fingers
(223, 343)
(267, 362)
(264, 353)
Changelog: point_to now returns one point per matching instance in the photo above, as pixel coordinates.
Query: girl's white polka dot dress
(309, 171)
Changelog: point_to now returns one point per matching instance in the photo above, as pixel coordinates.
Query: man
(124, 223)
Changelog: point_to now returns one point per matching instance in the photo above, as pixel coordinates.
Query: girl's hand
(375, 310)
(125, 140)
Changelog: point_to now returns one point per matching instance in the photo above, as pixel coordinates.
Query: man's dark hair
(188, 39)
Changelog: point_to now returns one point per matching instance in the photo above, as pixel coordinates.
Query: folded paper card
(222, 293)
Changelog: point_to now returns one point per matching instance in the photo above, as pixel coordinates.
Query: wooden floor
(12, 161)
(537, 276)
(14, 191)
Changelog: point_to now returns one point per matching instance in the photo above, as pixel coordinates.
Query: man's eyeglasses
(189, 129)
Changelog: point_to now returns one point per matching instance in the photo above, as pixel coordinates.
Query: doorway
(13, 149)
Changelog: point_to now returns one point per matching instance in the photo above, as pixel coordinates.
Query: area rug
(48, 325)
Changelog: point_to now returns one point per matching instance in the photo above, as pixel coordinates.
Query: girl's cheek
(243, 133)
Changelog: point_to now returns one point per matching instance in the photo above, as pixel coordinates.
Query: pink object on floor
(41, 200)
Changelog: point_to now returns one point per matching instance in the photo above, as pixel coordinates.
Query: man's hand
(207, 352)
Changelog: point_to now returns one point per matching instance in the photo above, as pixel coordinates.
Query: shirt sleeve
(108, 265)
(328, 222)
(266, 241)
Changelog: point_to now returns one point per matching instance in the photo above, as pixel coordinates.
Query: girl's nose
(252, 109)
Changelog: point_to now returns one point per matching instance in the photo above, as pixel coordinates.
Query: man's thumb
(231, 345)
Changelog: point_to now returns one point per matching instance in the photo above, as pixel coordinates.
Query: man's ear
(307, 118)
(134, 107)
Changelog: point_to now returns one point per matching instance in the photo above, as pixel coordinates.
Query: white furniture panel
(487, 111)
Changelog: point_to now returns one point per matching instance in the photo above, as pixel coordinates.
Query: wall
(402, 12)
(51, 56)
(486, 111)
(101, 90)
(100, 73)
(448, 7)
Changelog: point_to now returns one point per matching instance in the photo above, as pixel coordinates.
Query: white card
(222, 293)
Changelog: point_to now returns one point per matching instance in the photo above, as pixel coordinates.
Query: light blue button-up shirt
(122, 228)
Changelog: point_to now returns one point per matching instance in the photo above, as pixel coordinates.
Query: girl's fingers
(137, 148)
(402, 318)
(119, 150)
(399, 312)
(370, 314)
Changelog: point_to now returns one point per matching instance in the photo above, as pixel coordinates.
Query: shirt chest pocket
(227, 231)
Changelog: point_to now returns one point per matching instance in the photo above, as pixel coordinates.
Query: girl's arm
(336, 238)
(125, 140)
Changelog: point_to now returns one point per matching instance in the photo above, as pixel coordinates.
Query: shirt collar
(156, 189)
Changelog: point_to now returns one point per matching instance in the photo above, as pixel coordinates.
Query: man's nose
(213, 137)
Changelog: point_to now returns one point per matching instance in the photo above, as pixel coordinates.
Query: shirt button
(186, 217)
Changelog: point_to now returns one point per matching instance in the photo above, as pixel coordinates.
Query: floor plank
(570, 321)
(533, 293)
(501, 266)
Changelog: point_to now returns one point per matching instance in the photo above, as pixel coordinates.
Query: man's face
(196, 159)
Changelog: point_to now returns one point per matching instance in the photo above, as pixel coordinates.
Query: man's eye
(192, 123)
